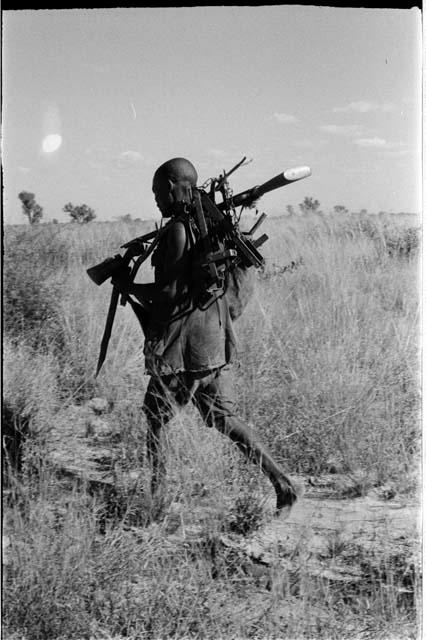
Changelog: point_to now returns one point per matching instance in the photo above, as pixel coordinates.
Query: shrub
(402, 242)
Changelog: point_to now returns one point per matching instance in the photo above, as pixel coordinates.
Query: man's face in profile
(162, 189)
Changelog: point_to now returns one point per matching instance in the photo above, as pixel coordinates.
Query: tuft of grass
(246, 514)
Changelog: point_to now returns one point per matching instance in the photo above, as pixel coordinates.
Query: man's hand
(121, 280)
(136, 248)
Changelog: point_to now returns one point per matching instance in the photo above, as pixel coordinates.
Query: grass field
(328, 372)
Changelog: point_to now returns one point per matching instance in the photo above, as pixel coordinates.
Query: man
(188, 346)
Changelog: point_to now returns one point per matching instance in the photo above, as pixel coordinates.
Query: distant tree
(54, 221)
(309, 205)
(339, 208)
(30, 208)
(290, 210)
(82, 214)
(126, 218)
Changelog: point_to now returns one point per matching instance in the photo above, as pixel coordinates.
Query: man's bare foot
(286, 497)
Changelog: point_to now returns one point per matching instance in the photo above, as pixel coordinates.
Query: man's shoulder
(176, 229)
(176, 225)
(179, 230)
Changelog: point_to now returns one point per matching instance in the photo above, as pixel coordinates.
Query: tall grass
(330, 353)
(328, 367)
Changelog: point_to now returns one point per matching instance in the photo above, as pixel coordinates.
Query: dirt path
(340, 540)
(321, 523)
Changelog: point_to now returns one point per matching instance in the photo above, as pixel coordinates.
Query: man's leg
(213, 398)
(158, 408)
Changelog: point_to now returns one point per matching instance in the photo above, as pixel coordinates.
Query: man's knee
(217, 406)
(157, 407)
(213, 418)
(214, 399)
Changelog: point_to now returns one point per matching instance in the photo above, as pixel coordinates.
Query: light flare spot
(52, 142)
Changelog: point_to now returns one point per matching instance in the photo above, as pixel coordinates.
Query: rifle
(110, 267)
(222, 217)
(223, 244)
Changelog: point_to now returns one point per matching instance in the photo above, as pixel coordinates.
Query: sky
(94, 100)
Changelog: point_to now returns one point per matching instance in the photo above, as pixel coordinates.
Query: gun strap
(143, 314)
(115, 294)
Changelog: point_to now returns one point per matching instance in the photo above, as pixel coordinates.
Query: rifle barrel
(144, 238)
(245, 198)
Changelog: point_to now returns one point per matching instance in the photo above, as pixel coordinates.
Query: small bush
(246, 514)
(402, 242)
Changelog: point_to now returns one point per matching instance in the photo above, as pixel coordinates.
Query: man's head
(172, 184)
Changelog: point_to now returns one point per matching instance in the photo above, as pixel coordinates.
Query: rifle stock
(106, 269)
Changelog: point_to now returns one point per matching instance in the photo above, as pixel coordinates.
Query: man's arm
(176, 263)
(163, 293)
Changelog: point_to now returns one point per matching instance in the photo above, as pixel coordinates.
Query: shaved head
(177, 170)
(172, 184)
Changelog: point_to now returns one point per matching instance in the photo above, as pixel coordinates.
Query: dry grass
(328, 367)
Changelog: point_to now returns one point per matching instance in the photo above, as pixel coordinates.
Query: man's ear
(182, 192)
